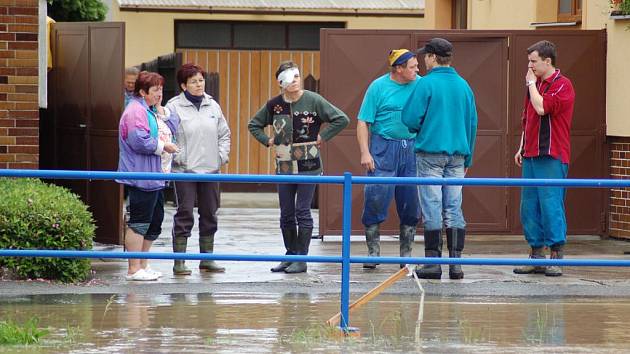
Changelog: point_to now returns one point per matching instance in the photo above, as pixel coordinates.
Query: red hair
(187, 71)
(146, 80)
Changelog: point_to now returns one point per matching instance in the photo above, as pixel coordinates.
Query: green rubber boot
(206, 245)
(373, 241)
(407, 234)
(179, 246)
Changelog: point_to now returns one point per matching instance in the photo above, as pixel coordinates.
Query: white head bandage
(286, 77)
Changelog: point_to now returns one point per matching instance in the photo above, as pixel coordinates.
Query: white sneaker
(150, 270)
(141, 275)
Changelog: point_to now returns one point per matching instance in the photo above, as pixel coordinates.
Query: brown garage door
(356, 57)
(85, 106)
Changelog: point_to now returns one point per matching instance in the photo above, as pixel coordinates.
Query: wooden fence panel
(246, 82)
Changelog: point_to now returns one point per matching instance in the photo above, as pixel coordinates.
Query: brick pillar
(619, 218)
(19, 108)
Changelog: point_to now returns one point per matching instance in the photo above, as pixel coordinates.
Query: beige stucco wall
(595, 14)
(150, 34)
(501, 14)
(618, 78)
(437, 14)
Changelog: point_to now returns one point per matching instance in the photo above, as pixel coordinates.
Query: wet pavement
(254, 230)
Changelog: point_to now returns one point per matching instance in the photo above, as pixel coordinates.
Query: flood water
(272, 323)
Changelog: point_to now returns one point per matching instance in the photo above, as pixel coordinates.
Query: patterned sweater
(295, 129)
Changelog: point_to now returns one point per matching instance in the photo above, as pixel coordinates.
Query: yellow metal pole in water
(334, 321)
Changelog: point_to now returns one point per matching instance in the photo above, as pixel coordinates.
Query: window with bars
(250, 35)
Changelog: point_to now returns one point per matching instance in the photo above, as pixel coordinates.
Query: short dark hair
(284, 66)
(444, 60)
(545, 49)
(146, 80)
(187, 71)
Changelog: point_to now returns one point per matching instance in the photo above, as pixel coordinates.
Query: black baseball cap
(438, 46)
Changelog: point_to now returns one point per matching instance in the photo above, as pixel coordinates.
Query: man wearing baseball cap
(387, 151)
(442, 111)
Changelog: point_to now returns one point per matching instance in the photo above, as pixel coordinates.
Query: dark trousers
(207, 196)
(146, 212)
(295, 205)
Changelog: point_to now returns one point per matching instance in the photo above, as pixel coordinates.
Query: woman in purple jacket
(140, 149)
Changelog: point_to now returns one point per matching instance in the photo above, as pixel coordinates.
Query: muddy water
(271, 323)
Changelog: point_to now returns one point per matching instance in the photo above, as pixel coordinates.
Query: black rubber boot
(455, 242)
(373, 241)
(206, 245)
(432, 248)
(289, 235)
(179, 246)
(407, 234)
(535, 253)
(303, 243)
(557, 252)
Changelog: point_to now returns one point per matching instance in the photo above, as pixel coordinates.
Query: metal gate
(494, 63)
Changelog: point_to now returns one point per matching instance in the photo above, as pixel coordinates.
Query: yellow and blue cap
(399, 56)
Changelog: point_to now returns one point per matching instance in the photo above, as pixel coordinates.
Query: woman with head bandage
(287, 76)
(296, 117)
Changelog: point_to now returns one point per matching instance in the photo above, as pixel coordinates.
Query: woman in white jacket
(204, 141)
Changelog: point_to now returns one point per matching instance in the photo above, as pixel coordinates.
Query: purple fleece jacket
(138, 151)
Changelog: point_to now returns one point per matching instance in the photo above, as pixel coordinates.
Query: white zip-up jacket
(203, 136)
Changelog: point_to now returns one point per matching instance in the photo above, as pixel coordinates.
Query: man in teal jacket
(441, 111)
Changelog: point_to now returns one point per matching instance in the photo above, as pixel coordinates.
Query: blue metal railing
(347, 180)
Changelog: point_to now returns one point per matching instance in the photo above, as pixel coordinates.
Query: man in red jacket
(545, 153)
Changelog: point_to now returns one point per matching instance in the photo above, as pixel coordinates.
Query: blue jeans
(542, 208)
(392, 158)
(441, 204)
(295, 205)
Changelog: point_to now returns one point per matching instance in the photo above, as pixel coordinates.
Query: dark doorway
(85, 105)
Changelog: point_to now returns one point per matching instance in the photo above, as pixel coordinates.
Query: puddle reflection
(272, 323)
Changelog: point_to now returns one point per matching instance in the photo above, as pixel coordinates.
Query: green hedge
(36, 215)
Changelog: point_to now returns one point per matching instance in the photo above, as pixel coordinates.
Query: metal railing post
(345, 250)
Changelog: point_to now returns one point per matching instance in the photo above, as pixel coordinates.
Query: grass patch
(472, 333)
(544, 329)
(319, 333)
(73, 334)
(12, 333)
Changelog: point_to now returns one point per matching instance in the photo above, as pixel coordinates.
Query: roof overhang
(395, 8)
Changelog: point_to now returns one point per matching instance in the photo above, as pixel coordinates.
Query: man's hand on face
(530, 76)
